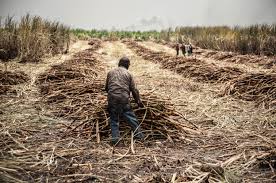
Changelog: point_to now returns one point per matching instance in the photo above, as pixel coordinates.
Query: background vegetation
(32, 38)
(255, 39)
(115, 35)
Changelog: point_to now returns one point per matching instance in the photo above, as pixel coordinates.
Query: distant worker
(188, 49)
(119, 84)
(182, 47)
(177, 47)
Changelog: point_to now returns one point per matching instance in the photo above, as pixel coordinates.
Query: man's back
(177, 47)
(119, 84)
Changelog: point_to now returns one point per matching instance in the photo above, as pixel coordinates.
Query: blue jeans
(124, 110)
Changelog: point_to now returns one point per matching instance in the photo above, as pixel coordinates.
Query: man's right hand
(140, 104)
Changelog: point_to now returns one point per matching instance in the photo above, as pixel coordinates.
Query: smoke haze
(145, 14)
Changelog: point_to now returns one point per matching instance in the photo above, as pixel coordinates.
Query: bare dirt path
(251, 68)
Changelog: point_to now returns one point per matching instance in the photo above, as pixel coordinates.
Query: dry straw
(259, 87)
(75, 148)
(7, 79)
(188, 67)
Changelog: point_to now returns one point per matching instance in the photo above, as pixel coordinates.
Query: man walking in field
(182, 47)
(119, 84)
(189, 49)
(177, 47)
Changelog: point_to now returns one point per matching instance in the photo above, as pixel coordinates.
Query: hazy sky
(144, 14)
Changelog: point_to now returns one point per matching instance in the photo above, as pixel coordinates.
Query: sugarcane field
(92, 96)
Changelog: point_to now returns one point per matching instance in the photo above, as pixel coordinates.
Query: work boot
(114, 141)
(139, 136)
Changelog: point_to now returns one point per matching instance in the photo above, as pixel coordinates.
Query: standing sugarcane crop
(6, 55)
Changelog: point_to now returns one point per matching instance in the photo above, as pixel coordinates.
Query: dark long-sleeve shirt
(119, 84)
